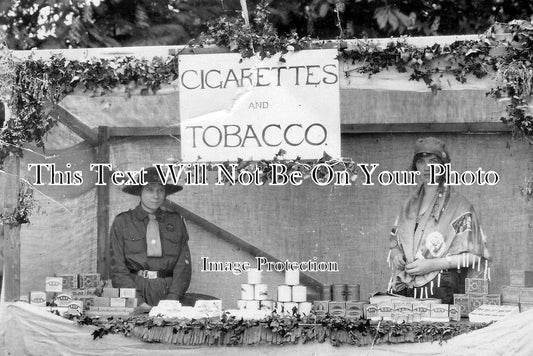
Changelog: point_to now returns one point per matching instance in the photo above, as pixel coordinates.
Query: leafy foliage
(25, 206)
(510, 55)
(260, 38)
(102, 23)
(280, 330)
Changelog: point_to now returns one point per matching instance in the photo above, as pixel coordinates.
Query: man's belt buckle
(149, 274)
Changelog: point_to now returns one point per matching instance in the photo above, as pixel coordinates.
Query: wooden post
(102, 206)
(11, 245)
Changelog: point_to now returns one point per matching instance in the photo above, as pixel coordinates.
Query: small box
(70, 281)
(521, 278)
(111, 293)
(77, 293)
(371, 312)
(403, 307)
(454, 312)
(476, 285)
(337, 308)
(321, 307)
(439, 311)
(385, 310)
(131, 302)
(75, 307)
(492, 299)
(127, 292)
(88, 302)
(53, 284)
(526, 295)
(525, 307)
(101, 301)
(117, 302)
(354, 310)
(423, 308)
(474, 301)
(63, 300)
(38, 299)
(511, 294)
(88, 280)
(399, 318)
(91, 292)
(461, 300)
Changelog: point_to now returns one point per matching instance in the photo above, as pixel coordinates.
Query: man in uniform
(149, 245)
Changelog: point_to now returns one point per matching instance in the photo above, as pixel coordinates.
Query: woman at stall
(437, 239)
(149, 245)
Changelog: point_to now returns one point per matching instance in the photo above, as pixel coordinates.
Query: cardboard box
(371, 312)
(131, 302)
(75, 307)
(439, 311)
(88, 280)
(38, 298)
(461, 300)
(77, 293)
(90, 292)
(526, 295)
(63, 300)
(53, 284)
(337, 308)
(403, 307)
(101, 301)
(127, 292)
(70, 281)
(111, 293)
(476, 285)
(117, 302)
(511, 294)
(423, 308)
(521, 278)
(321, 307)
(385, 310)
(454, 312)
(88, 302)
(474, 301)
(355, 310)
(492, 299)
(488, 313)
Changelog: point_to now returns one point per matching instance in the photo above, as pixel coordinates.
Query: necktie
(153, 240)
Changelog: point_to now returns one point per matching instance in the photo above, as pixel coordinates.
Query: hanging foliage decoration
(40, 84)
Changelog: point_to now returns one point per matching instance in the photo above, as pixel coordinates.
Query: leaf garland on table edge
(293, 329)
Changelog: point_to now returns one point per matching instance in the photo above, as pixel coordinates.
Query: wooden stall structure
(381, 117)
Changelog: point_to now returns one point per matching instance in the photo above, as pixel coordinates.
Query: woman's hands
(418, 267)
(397, 259)
(422, 266)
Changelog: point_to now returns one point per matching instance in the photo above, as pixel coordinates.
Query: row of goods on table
(78, 294)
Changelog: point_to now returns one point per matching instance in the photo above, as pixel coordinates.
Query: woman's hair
(422, 154)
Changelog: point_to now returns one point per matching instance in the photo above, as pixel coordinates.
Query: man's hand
(420, 267)
(397, 259)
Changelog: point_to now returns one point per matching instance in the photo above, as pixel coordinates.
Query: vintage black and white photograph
(266, 177)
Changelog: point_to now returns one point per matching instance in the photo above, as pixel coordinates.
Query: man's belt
(153, 274)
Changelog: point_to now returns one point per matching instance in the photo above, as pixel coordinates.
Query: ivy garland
(25, 206)
(40, 84)
(286, 330)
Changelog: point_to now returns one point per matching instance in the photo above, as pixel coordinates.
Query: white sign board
(251, 108)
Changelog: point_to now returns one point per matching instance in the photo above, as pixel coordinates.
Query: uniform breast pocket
(171, 244)
(134, 244)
